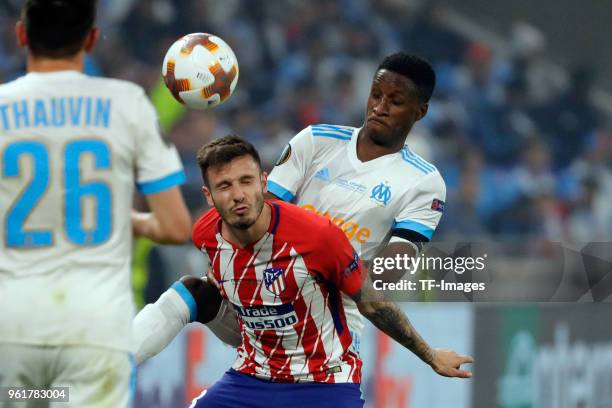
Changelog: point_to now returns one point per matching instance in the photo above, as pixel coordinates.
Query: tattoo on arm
(391, 320)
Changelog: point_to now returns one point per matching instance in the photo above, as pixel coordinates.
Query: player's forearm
(396, 271)
(148, 225)
(156, 325)
(392, 321)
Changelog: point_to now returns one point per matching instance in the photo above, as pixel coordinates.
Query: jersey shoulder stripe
(417, 161)
(332, 131)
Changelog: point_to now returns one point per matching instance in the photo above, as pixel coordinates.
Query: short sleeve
(342, 266)
(290, 170)
(422, 211)
(158, 166)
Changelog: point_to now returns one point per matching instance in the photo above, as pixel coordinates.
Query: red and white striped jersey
(285, 289)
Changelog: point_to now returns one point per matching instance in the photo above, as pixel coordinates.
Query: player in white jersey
(71, 149)
(396, 197)
(368, 181)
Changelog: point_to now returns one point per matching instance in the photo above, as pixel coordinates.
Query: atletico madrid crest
(274, 279)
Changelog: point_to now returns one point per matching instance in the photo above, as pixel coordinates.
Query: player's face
(236, 190)
(393, 108)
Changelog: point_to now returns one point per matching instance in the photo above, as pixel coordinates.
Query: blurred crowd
(524, 152)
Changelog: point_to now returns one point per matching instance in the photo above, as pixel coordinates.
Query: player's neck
(42, 64)
(243, 238)
(368, 150)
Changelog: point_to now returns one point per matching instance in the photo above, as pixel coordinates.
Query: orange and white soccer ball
(200, 70)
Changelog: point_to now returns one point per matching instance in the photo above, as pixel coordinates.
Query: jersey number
(75, 191)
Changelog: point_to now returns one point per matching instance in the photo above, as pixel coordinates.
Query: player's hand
(211, 278)
(447, 363)
(138, 220)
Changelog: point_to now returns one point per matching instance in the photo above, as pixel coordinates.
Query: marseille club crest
(381, 194)
(274, 279)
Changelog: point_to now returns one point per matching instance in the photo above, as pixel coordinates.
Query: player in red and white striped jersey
(283, 269)
(285, 290)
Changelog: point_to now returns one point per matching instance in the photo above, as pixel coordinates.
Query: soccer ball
(200, 70)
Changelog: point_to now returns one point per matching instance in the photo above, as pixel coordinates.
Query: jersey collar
(274, 221)
(54, 75)
(371, 164)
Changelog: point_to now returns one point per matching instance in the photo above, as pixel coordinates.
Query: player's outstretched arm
(189, 300)
(157, 324)
(391, 320)
(168, 222)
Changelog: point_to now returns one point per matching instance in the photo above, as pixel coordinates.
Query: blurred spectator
(568, 119)
(543, 79)
(430, 36)
(500, 129)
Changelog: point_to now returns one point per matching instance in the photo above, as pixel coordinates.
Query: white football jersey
(399, 194)
(71, 149)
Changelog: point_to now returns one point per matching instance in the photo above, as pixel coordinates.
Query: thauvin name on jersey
(55, 112)
(267, 317)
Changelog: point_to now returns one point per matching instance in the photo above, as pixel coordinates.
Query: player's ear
(208, 196)
(20, 33)
(91, 39)
(264, 181)
(423, 108)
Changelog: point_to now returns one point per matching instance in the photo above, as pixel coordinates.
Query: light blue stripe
(280, 191)
(133, 380)
(332, 135)
(414, 226)
(164, 183)
(415, 164)
(416, 160)
(336, 128)
(188, 299)
(421, 160)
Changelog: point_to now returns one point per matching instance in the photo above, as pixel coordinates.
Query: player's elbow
(367, 309)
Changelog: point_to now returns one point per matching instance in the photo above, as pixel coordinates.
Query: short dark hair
(222, 151)
(415, 68)
(57, 28)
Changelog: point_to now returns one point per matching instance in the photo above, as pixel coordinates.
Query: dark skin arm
(390, 251)
(392, 321)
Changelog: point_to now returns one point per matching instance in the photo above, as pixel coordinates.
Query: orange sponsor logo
(352, 230)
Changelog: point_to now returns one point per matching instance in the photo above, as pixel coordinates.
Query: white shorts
(96, 377)
(225, 325)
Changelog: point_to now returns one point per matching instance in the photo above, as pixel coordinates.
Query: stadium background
(519, 127)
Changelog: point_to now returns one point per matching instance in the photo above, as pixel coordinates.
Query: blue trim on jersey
(331, 135)
(334, 308)
(416, 163)
(419, 159)
(133, 380)
(414, 226)
(188, 299)
(161, 184)
(280, 191)
(277, 219)
(338, 129)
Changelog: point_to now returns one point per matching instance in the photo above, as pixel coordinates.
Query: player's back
(70, 148)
